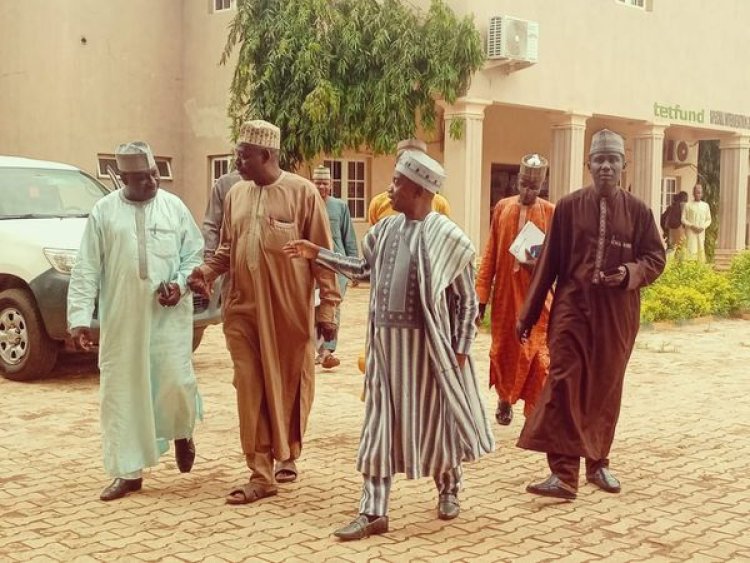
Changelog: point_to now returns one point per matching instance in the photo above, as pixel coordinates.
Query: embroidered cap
(421, 169)
(322, 173)
(261, 134)
(534, 166)
(607, 141)
(415, 144)
(135, 156)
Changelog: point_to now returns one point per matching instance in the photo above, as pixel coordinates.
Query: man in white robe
(696, 217)
(423, 415)
(139, 246)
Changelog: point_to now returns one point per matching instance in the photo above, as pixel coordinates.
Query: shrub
(689, 289)
(739, 277)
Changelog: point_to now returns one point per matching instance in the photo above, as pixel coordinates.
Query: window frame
(344, 183)
(212, 160)
(644, 5)
(216, 10)
(102, 173)
(666, 197)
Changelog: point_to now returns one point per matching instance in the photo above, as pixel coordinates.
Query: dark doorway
(503, 182)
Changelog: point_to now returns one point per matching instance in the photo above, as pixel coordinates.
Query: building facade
(78, 77)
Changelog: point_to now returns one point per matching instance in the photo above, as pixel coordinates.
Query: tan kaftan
(268, 316)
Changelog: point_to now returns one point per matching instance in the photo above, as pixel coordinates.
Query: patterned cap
(135, 156)
(322, 173)
(534, 166)
(421, 169)
(406, 144)
(261, 134)
(607, 141)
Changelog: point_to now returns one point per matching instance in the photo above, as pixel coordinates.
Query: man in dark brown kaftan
(603, 247)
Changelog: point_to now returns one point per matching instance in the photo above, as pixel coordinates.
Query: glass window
(220, 165)
(635, 3)
(669, 187)
(29, 192)
(349, 183)
(222, 5)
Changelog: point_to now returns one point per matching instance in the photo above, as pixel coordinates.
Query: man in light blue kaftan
(423, 410)
(135, 239)
(344, 243)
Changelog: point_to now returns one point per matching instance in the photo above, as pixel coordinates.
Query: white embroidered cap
(135, 156)
(421, 169)
(322, 173)
(261, 134)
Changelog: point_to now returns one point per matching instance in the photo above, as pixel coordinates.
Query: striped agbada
(423, 414)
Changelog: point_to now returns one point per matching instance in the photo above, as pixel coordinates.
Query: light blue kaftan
(148, 391)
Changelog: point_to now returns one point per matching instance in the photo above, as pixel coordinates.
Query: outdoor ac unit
(676, 151)
(512, 39)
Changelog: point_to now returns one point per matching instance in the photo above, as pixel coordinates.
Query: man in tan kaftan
(517, 371)
(268, 315)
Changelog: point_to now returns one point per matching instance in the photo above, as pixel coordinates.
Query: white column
(648, 146)
(735, 152)
(567, 156)
(463, 159)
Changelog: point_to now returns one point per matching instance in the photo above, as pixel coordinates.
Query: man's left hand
(461, 358)
(172, 297)
(327, 330)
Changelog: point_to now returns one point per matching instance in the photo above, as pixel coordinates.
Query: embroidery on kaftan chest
(398, 302)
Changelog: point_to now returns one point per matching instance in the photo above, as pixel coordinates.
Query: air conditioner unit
(676, 151)
(512, 39)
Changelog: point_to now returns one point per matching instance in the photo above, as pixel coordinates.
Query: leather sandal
(249, 493)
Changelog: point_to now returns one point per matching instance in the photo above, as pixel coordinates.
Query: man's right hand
(82, 338)
(523, 331)
(198, 283)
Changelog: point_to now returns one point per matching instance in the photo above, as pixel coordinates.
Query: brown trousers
(567, 467)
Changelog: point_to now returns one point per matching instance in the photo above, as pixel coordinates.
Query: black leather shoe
(448, 507)
(120, 487)
(604, 479)
(361, 527)
(184, 454)
(552, 487)
(504, 413)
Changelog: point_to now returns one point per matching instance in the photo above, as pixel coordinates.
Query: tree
(337, 74)
(709, 159)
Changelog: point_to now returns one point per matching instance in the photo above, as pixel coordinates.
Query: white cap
(421, 169)
(135, 156)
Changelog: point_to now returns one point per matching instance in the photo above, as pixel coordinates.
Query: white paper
(530, 235)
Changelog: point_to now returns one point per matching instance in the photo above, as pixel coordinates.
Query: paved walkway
(682, 451)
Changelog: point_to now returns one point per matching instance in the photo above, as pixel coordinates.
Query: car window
(27, 192)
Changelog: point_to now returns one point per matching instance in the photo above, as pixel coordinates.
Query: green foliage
(337, 74)
(709, 160)
(688, 289)
(739, 277)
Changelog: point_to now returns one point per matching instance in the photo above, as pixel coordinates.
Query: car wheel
(26, 351)
(197, 337)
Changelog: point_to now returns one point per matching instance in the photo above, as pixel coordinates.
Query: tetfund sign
(723, 118)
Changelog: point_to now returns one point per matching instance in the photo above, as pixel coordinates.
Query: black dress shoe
(504, 413)
(604, 479)
(120, 487)
(448, 507)
(361, 527)
(184, 453)
(552, 487)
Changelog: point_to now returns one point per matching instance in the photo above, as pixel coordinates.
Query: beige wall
(66, 101)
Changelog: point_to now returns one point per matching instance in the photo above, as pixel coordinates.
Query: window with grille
(669, 188)
(220, 165)
(349, 183)
(222, 5)
(635, 3)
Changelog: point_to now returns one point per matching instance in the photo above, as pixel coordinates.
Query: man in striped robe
(423, 414)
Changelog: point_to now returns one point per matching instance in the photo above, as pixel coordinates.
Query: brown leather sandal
(248, 493)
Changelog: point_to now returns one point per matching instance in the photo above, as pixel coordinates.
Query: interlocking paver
(681, 451)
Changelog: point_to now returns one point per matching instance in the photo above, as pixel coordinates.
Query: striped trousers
(376, 491)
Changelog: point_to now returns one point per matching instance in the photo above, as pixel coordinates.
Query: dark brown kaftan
(592, 328)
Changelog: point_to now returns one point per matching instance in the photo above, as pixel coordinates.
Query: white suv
(43, 211)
